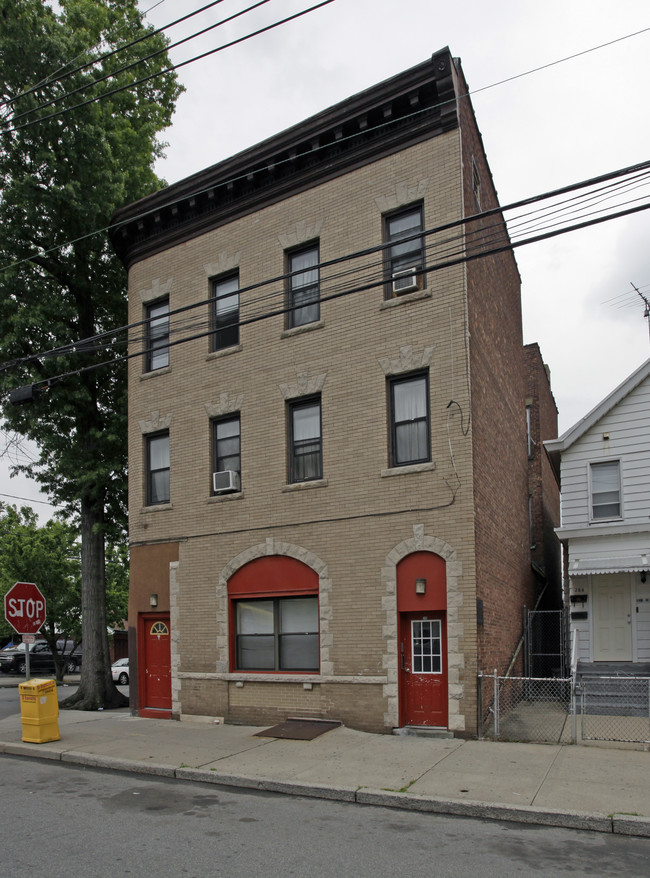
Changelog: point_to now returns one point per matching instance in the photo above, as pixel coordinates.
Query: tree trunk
(96, 690)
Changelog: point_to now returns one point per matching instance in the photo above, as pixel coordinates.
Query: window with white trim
(605, 490)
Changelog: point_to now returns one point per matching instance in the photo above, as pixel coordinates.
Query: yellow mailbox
(39, 711)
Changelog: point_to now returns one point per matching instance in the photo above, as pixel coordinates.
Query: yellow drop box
(39, 711)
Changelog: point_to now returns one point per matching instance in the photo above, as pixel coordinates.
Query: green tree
(61, 178)
(48, 555)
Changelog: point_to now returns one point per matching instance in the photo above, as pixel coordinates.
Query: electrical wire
(130, 66)
(58, 75)
(45, 383)
(440, 252)
(170, 69)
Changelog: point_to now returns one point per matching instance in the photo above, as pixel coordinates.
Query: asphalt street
(121, 824)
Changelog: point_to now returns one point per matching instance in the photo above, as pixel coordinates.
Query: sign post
(25, 612)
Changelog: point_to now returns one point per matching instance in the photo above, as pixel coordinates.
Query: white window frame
(598, 518)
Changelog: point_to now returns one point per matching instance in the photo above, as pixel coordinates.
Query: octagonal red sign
(25, 608)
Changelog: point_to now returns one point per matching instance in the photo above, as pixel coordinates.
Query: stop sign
(25, 608)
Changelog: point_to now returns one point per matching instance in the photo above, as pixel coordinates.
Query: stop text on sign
(26, 608)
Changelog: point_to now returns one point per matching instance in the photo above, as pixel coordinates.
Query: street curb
(115, 763)
(487, 810)
(624, 824)
(289, 787)
(618, 824)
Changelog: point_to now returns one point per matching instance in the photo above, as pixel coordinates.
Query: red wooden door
(423, 669)
(157, 664)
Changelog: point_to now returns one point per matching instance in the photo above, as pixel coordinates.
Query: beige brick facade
(355, 524)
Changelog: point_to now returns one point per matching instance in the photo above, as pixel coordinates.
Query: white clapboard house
(603, 463)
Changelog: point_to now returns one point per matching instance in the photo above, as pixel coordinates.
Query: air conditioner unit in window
(225, 481)
(405, 281)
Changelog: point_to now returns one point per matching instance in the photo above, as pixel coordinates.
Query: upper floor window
(605, 490)
(529, 431)
(305, 446)
(405, 256)
(157, 335)
(476, 184)
(157, 487)
(304, 290)
(226, 451)
(225, 317)
(409, 420)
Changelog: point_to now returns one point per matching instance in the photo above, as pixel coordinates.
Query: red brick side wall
(503, 573)
(542, 485)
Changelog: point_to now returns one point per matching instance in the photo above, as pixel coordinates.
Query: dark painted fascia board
(138, 230)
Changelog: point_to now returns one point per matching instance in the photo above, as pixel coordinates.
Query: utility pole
(646, 313)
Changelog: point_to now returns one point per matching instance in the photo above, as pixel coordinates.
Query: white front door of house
(612, 619)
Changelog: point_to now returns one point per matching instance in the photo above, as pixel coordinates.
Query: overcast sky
(569, 122)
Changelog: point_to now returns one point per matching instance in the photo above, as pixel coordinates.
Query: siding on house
(609, 553)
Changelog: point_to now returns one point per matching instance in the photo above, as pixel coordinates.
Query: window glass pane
(411, 442)
(299, 652)
(256, 652)
(410, 399)
(159, 452)
(159, 487)
(255, 617)
(306, 422)
(299, 615)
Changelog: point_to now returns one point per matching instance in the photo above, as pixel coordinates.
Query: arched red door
(422, 613)
(155, 666)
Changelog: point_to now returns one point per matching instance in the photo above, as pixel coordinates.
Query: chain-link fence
(526, 708)
(559, 710)
(614, 708)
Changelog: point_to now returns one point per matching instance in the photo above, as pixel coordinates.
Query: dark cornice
(404, 110)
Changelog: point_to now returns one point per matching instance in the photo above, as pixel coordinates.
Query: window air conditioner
(225, 481)
(405, 281)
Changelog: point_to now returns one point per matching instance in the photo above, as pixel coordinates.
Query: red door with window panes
(423, 669)
(422, 640)
(155, 666)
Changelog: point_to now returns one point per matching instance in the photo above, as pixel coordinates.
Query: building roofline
(555, 447)
(408, 108)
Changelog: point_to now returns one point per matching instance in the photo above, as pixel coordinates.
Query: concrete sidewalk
(583, 787)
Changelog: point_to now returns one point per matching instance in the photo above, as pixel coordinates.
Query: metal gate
(546, 643)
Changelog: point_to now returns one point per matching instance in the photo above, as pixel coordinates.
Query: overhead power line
(170, 69)
(199, 192)
(113, 73)
(62, 74)
(445, 252)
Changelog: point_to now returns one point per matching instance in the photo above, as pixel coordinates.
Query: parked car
(41, 660)
(120, 671)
